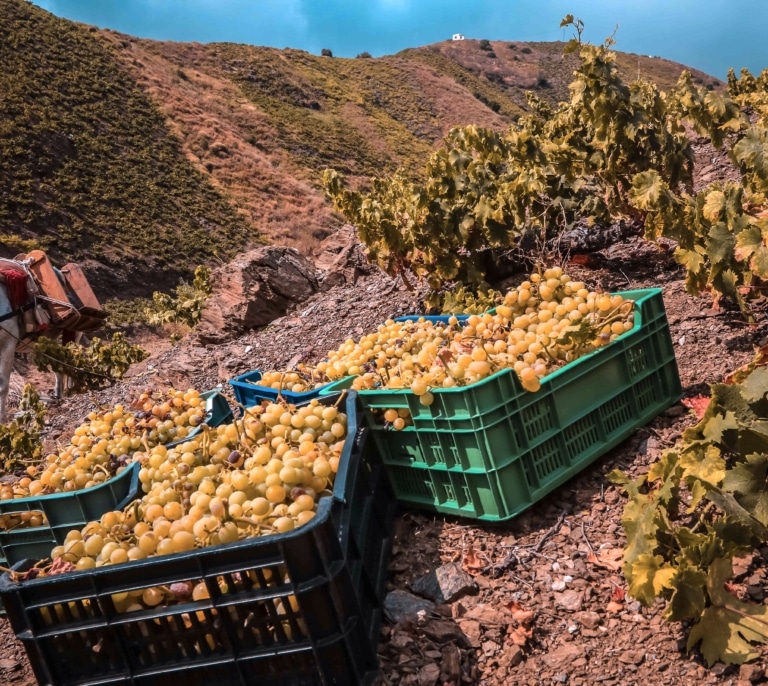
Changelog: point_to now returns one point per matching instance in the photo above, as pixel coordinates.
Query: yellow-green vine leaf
(714, 205)
(649, 577)
(728, 627)
(698, 492)
(708, 467)
(688, 600)
(748, 481)
(647, 188)
(718, 425)
(752, 150)
(692, 260)
(747, 242)
(755, 386)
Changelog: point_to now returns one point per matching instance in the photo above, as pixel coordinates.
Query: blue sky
(707, 34)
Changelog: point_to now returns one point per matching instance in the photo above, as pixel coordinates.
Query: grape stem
(253, 524)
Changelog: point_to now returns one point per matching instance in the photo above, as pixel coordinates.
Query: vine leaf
(755, 386)
(718, 425)
(748, 242)
(647, 188)
(721, 243)
(748, 480)
(649, 578)
(688, 600)
(728, 627)
(708, 467)
(692, 260)
(714, 205)
(752, 149)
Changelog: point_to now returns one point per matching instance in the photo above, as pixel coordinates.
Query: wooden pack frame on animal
(71, 303)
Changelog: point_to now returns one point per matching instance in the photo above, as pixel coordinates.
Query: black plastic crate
(248, 631)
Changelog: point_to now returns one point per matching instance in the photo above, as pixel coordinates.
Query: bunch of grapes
(541, 325)
(261, 474)
(103, 447)
(544, 323)
(298, 380)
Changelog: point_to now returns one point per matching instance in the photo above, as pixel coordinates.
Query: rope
(57, 302)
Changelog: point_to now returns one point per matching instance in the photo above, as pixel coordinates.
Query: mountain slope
(499, 72)
(128, 154)
(89, 167)
(264, 123)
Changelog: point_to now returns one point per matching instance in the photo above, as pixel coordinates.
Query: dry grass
(227, 137)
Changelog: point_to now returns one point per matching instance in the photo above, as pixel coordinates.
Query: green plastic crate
(64, 512)
(74, 509)
(490, 450)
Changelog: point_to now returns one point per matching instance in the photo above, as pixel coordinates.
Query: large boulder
(253, 290)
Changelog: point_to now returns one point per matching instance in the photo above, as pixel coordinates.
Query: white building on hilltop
(457, 36)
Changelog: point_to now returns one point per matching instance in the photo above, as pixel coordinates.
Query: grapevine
(187, 304)
(20, 444)
(94, 367)
(613, 151)
(701, 505)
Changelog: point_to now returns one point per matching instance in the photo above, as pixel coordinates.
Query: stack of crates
(302, 607)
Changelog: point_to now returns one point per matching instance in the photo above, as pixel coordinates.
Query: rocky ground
(536, 600)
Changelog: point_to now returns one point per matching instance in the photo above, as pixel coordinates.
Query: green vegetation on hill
(363, 115)
(490, 93)
(89, 167)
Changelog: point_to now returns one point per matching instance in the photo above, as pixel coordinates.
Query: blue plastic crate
(434, 318)
(248, 392)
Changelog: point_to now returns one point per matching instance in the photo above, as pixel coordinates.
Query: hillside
(500, 72)
(90, 170)
(130, 155)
